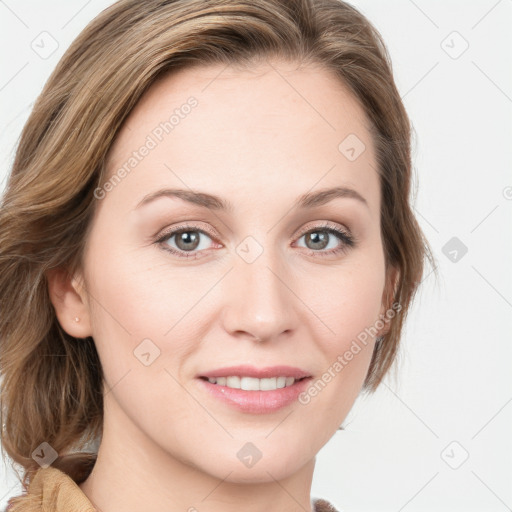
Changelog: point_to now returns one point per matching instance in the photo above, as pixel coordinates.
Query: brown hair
(52, 384)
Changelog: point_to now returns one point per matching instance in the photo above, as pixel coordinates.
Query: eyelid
(209, 231)
(346, 238)
(326, 224)
(166, 233)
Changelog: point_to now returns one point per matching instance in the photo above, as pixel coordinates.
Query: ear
(69, 299)
(392, 276)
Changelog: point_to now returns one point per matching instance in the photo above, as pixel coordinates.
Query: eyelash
(347, 240)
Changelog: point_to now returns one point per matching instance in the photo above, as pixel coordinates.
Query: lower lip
(257, 402)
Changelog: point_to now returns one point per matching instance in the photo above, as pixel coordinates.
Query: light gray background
(453, 397)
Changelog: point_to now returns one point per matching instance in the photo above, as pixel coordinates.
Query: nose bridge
(259, 300)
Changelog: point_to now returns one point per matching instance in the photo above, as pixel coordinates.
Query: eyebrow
(213, 202)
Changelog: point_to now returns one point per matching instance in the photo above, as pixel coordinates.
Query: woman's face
(258, 276)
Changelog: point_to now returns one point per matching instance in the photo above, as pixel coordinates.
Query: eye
(329, 237)
(185, 239)
(189, 241)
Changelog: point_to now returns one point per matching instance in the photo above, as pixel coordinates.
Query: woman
(207, 252)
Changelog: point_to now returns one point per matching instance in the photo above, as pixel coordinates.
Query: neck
(132, 473)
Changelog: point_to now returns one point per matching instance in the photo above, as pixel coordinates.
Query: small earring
(77, 319)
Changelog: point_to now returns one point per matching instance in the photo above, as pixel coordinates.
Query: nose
(259, 301)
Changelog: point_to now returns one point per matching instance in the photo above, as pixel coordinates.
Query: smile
(253, 383)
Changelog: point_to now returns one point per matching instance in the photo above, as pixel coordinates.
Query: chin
(261, 472)
(251, 465)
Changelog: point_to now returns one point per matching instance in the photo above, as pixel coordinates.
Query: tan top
(53, 490)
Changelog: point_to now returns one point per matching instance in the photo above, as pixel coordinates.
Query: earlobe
(69, 300)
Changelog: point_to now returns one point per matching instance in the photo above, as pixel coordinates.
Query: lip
(256, 402)
(260, 373)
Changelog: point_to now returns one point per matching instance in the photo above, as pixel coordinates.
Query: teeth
(289, 381)
(233, 382)
(252, 383)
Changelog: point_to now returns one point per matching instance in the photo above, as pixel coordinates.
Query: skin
(260, 139)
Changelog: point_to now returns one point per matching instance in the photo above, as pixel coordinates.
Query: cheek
(349, 308)
(143, 334)
(347, 357)
(350, 300)
(142, 304)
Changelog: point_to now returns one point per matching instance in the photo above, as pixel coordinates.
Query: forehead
(259, 129)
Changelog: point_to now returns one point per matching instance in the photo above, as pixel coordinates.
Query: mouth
(254, 395)
(253, 383)
(251, 378)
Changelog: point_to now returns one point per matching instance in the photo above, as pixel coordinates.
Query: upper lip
(260, 373)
